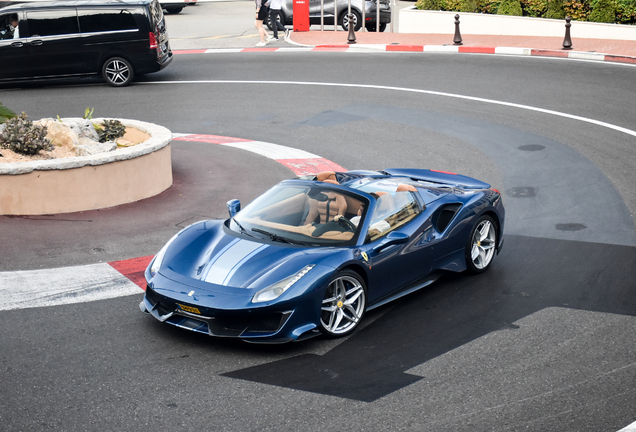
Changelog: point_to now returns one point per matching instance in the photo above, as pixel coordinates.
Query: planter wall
(413, 20)
(89, 182)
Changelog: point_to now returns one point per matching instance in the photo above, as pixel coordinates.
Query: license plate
(189, 309)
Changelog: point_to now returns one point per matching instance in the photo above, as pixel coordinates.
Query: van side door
(110, 31)
(54, 42)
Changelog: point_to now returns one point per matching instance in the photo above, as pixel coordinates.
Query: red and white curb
(515, 51)
(79, 284)
(299, 161)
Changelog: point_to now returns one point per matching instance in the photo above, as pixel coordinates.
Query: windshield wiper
(243, 230)
(276, 237)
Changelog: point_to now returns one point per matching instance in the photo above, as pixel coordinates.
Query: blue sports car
(311, 255)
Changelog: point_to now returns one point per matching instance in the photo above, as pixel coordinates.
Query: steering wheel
(346, 223)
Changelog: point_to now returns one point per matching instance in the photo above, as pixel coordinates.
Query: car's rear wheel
(344, 304)
(118, 72)
(482, 245)
(357, 20)
(174, 10)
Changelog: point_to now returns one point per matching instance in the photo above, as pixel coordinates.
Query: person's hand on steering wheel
(346, 223)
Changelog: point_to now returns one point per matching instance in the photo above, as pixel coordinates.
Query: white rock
(87, 147)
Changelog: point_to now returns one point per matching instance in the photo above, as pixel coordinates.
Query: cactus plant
(22, 136)
(110, 130)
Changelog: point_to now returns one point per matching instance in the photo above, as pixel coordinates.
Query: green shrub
(603, 11)
(626, 11)
(534, 8)
(470, 6)
(22, 136)
(578, 10)
(510, 7)
(5, 113)
(110, 130)
(555, 9)
(435, 5)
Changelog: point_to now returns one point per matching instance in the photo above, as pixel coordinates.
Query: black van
(115, 38)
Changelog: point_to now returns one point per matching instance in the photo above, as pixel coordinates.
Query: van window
(7, 31)
(104, 20)
(52, 23)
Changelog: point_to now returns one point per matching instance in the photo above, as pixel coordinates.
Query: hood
(219, 258)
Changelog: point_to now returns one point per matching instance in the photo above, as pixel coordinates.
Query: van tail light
(153, 40)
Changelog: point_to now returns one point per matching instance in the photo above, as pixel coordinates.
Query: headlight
(276, 290)
(157, 261)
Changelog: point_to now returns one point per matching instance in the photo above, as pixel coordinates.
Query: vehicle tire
(357, 20)
(118, 72)
(482, 245)
(174, 10)
(344, 304)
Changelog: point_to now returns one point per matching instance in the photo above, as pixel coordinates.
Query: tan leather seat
(327, 210)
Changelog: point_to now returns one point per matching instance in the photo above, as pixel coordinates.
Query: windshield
(307, 214)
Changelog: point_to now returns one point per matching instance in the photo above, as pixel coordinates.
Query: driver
(14, 25)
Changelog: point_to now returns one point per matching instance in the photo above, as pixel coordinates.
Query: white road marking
(411, 90)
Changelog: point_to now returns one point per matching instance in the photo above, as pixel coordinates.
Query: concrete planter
(92, 182)
(413, 20)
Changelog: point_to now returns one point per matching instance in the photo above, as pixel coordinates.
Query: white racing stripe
(66, 285)
(229, 260)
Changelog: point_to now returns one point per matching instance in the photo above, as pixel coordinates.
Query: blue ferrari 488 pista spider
(310, 256)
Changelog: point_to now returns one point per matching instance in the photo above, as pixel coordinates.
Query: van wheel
(174, 10)
(118, 72)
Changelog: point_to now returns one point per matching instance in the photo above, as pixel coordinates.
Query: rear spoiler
(440, 177)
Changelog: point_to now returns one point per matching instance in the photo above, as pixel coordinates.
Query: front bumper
(239, 324)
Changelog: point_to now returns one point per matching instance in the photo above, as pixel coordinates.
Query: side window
(9, 27)
(52, 22)
(391, 212)
(105, 20)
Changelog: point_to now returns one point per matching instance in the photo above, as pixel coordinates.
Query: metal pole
(335, 15)
(322, 15)
(364, 15)
(392, 15)
(377, 17)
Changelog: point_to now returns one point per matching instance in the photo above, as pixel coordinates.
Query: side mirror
(233, 206)
(392, 238)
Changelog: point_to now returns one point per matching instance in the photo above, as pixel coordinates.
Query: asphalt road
(544, 341)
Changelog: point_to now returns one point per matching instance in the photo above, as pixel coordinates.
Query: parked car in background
(175, 6)
(116, 39)
(370, 14)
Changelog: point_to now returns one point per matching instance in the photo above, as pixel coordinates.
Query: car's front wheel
(118, 72)
(482, 245)
(344, 304)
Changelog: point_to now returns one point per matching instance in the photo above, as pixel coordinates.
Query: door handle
(17, 44)
(37, 42)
